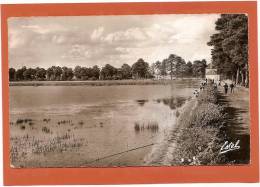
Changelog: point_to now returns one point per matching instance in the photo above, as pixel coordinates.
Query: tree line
(173, 66)
(230, 48)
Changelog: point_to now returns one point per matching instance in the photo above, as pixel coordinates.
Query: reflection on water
(172, 102)
(141, 102)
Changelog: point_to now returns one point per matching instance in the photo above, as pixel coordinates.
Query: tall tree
(50, 74)
(95, 72)
(67, 73)
(77, 73)
(230, 46)
(12, 76)
(19, 73)
(108, 72)
(164, 67)
(189, 69)
(140, 69)
(171, 63)
(40, 74)
(126, 71)
(199, 68)
(29, 74)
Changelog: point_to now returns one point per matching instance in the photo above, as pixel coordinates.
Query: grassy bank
(97, 83)
(201, 133)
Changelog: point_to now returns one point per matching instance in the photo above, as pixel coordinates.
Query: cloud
(43, 29)
(14, 39)
(97, 33)
(77, 52)
(58, 39)
(90, 40)
(131, 34)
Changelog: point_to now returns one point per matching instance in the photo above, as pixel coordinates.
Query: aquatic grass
(81, 123)
(19, 121)
(22, 127)
(64, 122)
(151, 125)
(46, 120)
(57, 144)
(28, 146)
(30, 123)
(26, 120)
(137, 126)
(46, 130)
(101, 82)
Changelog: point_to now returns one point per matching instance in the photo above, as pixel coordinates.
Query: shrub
(208, 95)
(200, 138)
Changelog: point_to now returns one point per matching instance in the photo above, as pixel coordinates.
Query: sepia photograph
(128, 90)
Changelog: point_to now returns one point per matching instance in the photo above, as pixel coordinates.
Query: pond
(88, 126)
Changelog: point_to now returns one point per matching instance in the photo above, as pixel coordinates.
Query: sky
(99, 40)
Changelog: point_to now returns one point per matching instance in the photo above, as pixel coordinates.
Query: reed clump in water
(64, 122)
(150, 125)
(46, 130)
(46, 120)
(22, 127)
(21, 121)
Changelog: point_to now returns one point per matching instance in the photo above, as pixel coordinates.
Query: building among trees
(212, 74)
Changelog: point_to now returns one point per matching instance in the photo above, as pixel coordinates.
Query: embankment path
(238, 124)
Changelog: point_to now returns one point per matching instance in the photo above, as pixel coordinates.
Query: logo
(226, 147)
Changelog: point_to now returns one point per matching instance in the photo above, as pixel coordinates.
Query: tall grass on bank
(201, 135)
(104, 82)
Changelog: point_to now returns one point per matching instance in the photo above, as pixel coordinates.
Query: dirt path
(238, 123)
(239, 104)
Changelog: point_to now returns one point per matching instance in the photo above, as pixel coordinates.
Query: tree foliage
(230, 47)
(174, 66)
(140, 69)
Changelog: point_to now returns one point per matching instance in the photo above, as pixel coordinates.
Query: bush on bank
(201, 135)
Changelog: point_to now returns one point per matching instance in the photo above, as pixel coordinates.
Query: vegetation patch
(152, 126)
(201, 135)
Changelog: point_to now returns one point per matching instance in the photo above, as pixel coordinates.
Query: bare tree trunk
(242, 78)
(171, 70)
(247, 79)
(237, 76)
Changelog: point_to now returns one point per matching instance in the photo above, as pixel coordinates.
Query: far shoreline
(99, 82)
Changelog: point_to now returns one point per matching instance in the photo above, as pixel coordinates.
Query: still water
(104, 119)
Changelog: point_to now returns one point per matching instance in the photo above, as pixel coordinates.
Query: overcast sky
(98, 40)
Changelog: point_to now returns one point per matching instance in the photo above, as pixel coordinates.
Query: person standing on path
(231, 87)
(226, 88)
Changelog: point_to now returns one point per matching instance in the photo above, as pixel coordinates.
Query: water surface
(100, 121)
